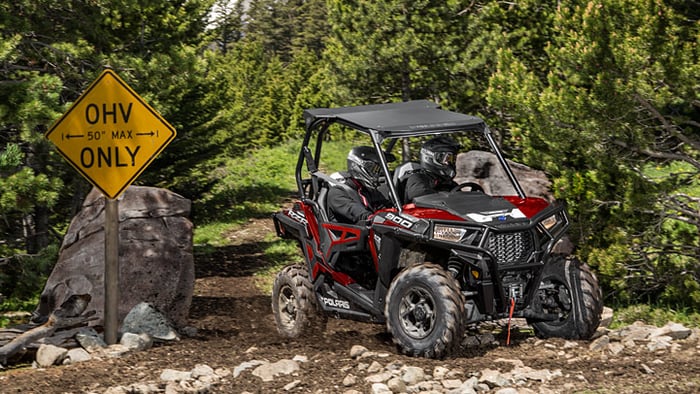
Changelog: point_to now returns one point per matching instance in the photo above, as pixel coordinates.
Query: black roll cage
(391, 121)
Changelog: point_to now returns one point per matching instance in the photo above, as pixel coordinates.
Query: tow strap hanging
(510, 317)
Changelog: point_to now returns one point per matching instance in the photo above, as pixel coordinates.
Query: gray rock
(144, 318)
(673, 330)
(659, 343)
(507, 390)
(116, 350)
(292, 385)
(493, 378)
(463, 390)
(616, 348)
(222, 372)
(156, 260)
(77, 355)
(599, 344)
(357, 351)
(646, 369)
(451, 383)
(202, 371)
(636, 331)
(380, 388)
(606, 317)
(427, 386)
(268, 371)
(396, 385)
(467, 387)
(570, 345)
(189, 331)
(413, 375)
(300, 359)
(379, 377)
(90, 340)
(173, 375)
(527, 373)
(374, 367)
(350, 380)
(136, 342)
(246, 365)
(440, 372)
(48, 355)
(483, 167)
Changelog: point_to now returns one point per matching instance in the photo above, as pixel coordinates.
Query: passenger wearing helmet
(359, 195)
(437, 159)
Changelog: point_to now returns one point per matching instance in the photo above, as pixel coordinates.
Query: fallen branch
(68, 315)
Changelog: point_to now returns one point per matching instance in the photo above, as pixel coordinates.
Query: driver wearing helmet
(437, 159)
(359, 196)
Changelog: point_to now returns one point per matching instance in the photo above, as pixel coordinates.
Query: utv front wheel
(425, 311)
(294, 303)
(569, 289)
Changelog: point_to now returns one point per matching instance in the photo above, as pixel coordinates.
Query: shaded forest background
(602, 95)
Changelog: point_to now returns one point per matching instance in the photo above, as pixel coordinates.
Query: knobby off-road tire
(294, 303)
(425, 311)
(568, 288)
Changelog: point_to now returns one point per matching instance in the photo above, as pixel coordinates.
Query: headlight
(549, 222)
(448, 233)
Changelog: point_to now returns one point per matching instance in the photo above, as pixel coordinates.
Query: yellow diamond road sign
(110, 135)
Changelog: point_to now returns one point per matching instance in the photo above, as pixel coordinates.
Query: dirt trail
(235, 324)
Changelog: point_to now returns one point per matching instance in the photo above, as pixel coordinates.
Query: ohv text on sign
(110, 135)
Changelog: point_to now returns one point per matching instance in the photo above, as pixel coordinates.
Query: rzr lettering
(299, 217)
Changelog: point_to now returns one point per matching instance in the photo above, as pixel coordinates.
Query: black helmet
(364, 165)
(438, 155)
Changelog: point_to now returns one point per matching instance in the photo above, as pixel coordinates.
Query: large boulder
(156, 264)
(483, 168)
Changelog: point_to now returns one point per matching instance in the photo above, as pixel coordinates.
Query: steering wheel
(475, 187)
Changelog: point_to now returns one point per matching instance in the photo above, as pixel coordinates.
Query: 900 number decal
(399, 220)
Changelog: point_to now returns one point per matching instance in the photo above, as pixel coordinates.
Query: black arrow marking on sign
(69, 136)
(149, 134)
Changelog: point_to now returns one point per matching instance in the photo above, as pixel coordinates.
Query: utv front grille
(510, 248)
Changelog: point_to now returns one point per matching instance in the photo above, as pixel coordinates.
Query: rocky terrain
(232, 347)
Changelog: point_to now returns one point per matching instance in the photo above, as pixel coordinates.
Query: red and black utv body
(433, 266)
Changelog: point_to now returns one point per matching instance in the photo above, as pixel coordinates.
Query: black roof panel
(395, 120)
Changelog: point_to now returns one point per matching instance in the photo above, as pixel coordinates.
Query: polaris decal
(336, 303)
(298, 216)
(403, 222)
(515, 213)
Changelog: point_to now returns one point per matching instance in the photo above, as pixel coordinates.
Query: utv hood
(471, 206)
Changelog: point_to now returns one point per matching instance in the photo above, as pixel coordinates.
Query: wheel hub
(417, 313)
(288, 310)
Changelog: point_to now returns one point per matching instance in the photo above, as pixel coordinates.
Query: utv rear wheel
(568, 288)
(425, 311)
(294, 303)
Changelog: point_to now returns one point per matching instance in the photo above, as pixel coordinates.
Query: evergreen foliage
(601, 94)
(618, 94)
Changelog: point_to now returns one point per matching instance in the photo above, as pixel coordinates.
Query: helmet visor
(445, 158)
(373, 169)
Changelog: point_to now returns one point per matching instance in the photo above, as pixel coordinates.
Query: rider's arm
(346, 206)
(418, 184)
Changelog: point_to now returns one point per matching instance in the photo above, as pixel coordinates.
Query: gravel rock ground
(236, 350)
